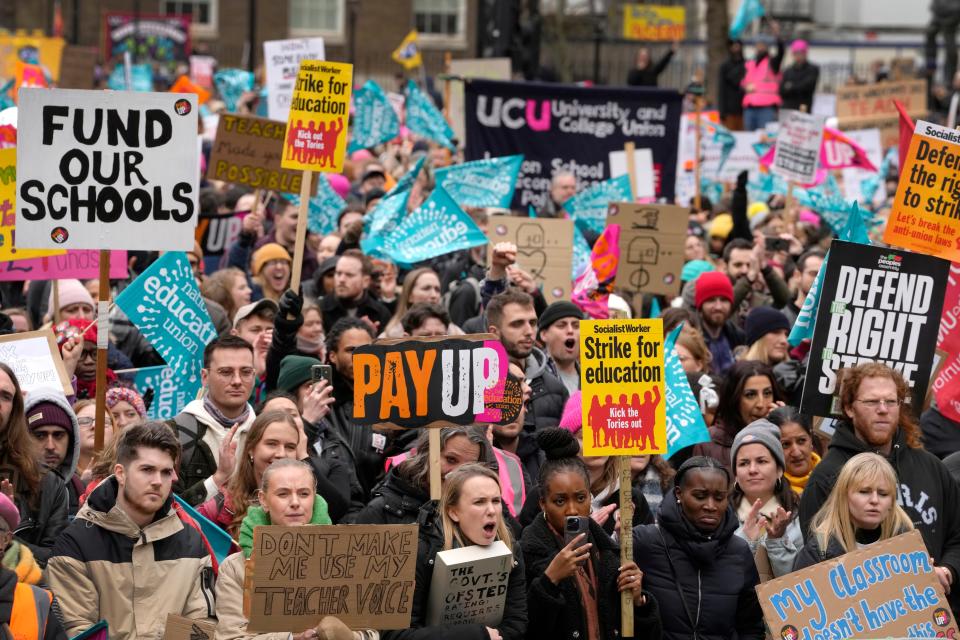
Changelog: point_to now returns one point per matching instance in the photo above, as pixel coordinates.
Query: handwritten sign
(654, 22)
(798, 146)
(35, 360)
(871, 105)
(888, 590)
(79, 264)
(281, 60)
(622, 378)
(362, 574)
(544, 250)
(316, 138)
(426, 381)
(247, 150)
(651, 246)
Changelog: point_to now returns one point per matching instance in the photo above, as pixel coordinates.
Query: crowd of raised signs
(271, 437)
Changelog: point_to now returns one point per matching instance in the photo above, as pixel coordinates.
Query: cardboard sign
(654, 22)
(35, 360)
(319, 114)
(798, 146)
(651, 246)
(180, 628)
(887, 590)
(544, 250)
(871, 105)
(78, 67)
(247, 150)
(98, 170)
(622, 378)
(362, 574)
(877, 305)
(422, 382)
(282, 60)
(469, 586)
(8, 208)
(72, 264)
(926, 210)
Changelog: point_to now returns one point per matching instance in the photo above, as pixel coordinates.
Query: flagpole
(696, 153)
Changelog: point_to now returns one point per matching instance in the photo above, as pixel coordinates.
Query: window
(203, 13)
(440, 18)
(317, 17)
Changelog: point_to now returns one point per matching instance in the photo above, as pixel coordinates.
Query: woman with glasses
(86, 411)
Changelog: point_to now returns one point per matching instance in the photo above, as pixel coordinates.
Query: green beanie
(294, 371)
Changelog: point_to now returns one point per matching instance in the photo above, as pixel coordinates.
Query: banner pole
(696, 153)
(305, 185)
(626, 541)
(56, 301)
(103, 340)
(630, 149)
(435, 479)
(447, 59)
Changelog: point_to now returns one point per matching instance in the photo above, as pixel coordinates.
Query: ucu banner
(565, 128)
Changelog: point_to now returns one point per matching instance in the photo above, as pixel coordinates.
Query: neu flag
(231, 85)
(685, 425)
(437, 227)
(482, 183)
(424, 119)
(749, 11)
(323, 208)
(589, 207)
(374, 120)
(170, 393)
(389, 211)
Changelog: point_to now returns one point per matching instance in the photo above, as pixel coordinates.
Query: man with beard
(559, 333)
(352, 278)
(875, 419)
(284, 233)
(761, 84)
(512, 318)
(808, 266)
(713, 295)
(56, 438)
(563, 186)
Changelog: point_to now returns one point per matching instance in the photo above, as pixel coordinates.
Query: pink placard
(80, 264)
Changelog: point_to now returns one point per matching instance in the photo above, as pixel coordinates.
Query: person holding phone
(574, 575)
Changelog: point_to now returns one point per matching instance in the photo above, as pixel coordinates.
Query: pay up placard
(362, 574)
(622, 380)
(887, 590)
(544, 250)
(926, 210)
(316, 137)
(878, 305)
(102, 169)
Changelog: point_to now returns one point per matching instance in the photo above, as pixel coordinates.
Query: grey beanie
(763, 432)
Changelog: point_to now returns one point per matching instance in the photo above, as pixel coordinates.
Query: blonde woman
(469, 513)
(860, 510)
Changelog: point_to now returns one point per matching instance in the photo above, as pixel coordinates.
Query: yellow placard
(654, 22)
(926, 210)
(32, 49)
(408, 53)
(622, 381)
(8, 212)
(316, 137)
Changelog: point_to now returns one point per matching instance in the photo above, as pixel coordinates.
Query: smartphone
(576, 525)
(321, 372)
(776, 244)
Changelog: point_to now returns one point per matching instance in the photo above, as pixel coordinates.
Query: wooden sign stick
(696, 153)
(447, 59)
(56, 301)
(103, 338)
(630, 149)
(305, 185)
(626, 541)
(435, 479)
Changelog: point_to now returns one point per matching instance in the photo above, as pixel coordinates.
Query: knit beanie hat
(49, 414)
(558, 311)
(268, 252)
(763, 432)
(721, 226)
(125, 394)
(572, 418)
(710, 285)
(763, 320)
(9, 512)
(294, 371)
(70, 292)
(692, 270)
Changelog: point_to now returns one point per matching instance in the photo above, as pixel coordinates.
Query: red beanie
(710, 285)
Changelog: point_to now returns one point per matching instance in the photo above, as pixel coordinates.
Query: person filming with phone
(574, 575)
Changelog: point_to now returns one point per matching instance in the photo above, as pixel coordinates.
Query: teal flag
(589, 207)
(685, 425)
(386, 215)
(231, 85)
(424, 119)
(220, 541)
(748, 11)
(172, 391)
(482, 183)
(374, 120)
(581, 254)
(141, 78)
(437, 227)
(323, 209)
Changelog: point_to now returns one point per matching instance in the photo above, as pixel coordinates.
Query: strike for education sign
(319, 113)
(98, 170)
(926, 210)
(877, 305)
(798, 146)
(622, 378)
(887, 590)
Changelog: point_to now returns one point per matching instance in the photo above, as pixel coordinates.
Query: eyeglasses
(88, 353)
(229, 374)
(873, 405)
(85, 422)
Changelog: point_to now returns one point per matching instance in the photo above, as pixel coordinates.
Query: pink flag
(592, 289)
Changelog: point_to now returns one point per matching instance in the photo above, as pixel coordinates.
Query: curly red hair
(850, 386)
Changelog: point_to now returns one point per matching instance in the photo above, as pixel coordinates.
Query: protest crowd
(805, 399)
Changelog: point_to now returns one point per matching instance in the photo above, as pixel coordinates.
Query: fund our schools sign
(98, 170)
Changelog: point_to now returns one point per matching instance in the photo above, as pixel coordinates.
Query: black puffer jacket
(927, 492)
(557, 609)
(394, 501)
(548, 394)
(41, 522)
(715, 574)
(798, 84)
(514, 623)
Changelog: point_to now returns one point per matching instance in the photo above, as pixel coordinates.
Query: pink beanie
(339, 183)
(572, 418)
(9, 512)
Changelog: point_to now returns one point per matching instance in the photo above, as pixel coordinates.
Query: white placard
(870, 141)
(797, 154)
(642, 170)
(106, 170)
(34, 359)
(282, 61)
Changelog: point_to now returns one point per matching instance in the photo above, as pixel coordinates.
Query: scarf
(19, 559)
(799, 483)
(650, 485)
(222, 420)
(256, 517)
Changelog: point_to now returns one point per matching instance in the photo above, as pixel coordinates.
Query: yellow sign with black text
(316, 138)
